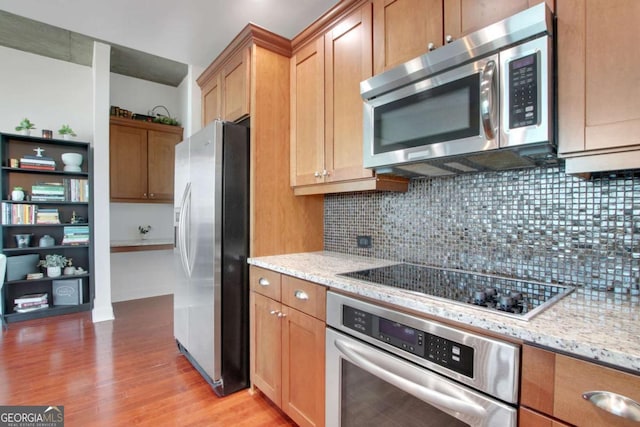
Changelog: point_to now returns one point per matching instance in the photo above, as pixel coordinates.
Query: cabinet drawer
(575, 377)
(265, 282)
(307, 297)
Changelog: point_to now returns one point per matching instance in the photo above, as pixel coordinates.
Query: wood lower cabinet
(598, 90)
(553, 385)
(141, 161)
(288, 343)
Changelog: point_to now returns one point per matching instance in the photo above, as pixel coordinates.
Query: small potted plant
(143, 230)
(54, 264)
(25, 126)
(66, 132)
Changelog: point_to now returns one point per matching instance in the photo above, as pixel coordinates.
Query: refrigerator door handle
(185, 210)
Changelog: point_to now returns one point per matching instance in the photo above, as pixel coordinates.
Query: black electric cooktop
(518, 298)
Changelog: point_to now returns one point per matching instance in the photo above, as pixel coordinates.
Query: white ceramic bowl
(72, 162)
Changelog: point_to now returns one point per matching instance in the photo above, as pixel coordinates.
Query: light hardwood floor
(126, 372)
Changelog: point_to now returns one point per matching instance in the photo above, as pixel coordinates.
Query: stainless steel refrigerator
(211, 218)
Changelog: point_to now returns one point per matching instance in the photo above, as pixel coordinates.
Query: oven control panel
(449, 354)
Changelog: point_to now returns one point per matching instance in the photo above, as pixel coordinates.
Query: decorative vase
(54, 271)
(17, 195)
(72, 161)
(143, 236)
(69, 271)
(66, 136)
(26, 132)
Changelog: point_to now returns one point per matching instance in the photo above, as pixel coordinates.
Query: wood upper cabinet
(211, 100)
(553, 386)
(141, 161)
(598, 84)
(327, 113)
(462, 17)
(226, 94)
(288, 344)
(403, 29)
(307, 114)
(406, 29)
(235, 86)
(348, 61)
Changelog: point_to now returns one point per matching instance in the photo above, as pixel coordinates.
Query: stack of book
(48, 192)
(76, 235)
(18, 213)
(38, 163)
(47, 216)
(31, 302)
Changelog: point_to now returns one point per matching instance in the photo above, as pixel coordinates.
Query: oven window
(369, 401)
(444, 113)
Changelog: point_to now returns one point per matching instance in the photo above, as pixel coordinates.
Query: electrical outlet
(364, 241)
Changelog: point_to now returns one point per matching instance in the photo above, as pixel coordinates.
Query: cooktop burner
(517, 298)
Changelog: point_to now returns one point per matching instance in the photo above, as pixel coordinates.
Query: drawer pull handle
(301, 295)
(274, 312)
(615, 404)
(263, 282)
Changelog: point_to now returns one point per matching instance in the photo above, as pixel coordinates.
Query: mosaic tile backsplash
(538, 224)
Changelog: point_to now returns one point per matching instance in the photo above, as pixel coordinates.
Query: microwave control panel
(449, 354)
(523, 91)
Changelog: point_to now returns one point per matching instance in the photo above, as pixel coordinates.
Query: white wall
(126, 217)
(47, 91)
(140, 96)
(141, 274)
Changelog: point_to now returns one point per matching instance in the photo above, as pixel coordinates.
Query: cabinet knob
(431, 46)
(263, 282)
(325, 173)
(317, 174)
(152, 195)
(301, 295)
(274, 312)
(448, 38)
(144, 194)
(280, 314)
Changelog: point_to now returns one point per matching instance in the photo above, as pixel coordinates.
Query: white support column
(102, 308)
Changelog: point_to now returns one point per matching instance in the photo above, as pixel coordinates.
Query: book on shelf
(29, 309)
(55, 188)
(76, 235)
(31, 304)
(18, 213)
(76, 189)
(37, 167)
(47, 216)
(40, 298)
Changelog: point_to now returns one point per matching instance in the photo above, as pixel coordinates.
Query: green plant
(53, 260)
(66, 130)
(144, 229)
(166, 120)
(25, 124)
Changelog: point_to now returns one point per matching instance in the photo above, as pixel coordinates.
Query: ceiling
(152, 40)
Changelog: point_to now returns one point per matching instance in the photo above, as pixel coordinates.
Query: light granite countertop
(599, 326)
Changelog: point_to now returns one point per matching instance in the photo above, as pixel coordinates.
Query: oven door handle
(382, 371)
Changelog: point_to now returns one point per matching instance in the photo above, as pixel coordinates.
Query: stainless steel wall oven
(388, 368)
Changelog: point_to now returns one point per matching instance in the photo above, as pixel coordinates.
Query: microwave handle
(488, 99)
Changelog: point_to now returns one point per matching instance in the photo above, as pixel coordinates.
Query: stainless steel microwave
(483, 102)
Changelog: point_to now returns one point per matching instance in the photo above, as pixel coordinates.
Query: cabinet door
(128, 163)
(160, 162)
(403, 29)
(212, 101)
(348, 61)
(462, 17)
(235, 86)
(307, 114)
(303, 345)
(266, 346)
(598, 87)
